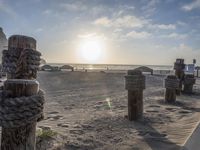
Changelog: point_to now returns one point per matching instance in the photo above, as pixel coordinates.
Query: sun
(91, 50)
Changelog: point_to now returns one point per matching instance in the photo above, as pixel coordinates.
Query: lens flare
(108, 102)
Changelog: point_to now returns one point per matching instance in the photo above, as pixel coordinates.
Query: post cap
(180, 61)
(21, 41)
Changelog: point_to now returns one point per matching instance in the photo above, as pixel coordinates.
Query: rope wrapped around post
(135, 84)
(21, 100)
(28, 58)
(20, 111)
(171, 84)
(189, 81)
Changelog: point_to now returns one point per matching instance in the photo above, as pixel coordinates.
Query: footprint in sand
(87, 126)
(78, 132)
(64, 125)
(72, 146)
(53, 112)
(54, 117)
(171, 109)
(152, 111)
(157, 106)
(68, 108)
(185, 112)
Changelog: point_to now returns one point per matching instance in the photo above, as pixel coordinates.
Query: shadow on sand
(136, 135)
(184, 102)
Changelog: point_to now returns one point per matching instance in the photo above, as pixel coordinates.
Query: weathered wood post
(179, 67)
(21, 100)
(135, 84)
(171, 84)
(189, 81)
(197, 68)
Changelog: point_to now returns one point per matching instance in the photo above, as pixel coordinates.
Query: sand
(77, 107)
(88, 111)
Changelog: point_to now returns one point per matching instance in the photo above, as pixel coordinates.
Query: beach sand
(88, 110)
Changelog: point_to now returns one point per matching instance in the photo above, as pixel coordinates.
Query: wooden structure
(189, 81)
(67, 67)
(135, 84)
(197, 69)
(49, 68)
(179, 67)
(145, 69)
(22, 106)
(171, 84)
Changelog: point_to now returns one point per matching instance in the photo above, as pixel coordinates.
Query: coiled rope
(15, 59)
(20, 111)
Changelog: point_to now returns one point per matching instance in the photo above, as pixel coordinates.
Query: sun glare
(91, 49)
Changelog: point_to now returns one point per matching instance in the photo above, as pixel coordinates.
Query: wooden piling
(20, 136)
(179, 67)
(171, 84)
(135, 84)
(189, 81)
(197, 70)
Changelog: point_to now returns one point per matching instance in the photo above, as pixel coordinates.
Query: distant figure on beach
(107, 68)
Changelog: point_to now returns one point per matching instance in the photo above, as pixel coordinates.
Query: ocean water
(113, 67)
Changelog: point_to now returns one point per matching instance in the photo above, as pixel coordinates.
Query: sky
(153, 32)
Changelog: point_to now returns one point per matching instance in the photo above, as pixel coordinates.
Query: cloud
(162, 26)
(92, 36)
(150, 7)
(175, 36)
(193, 5)
(126, 21)
(129, 21)
(87, 35)
(185, 51)
(117, 30)
(103, 21)
(73, 6)
(7, 10)
(166, 27)
(38, 30)
(128, 7)
(180, 23)
(138, 35)
(180, 51)
(47, 12)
